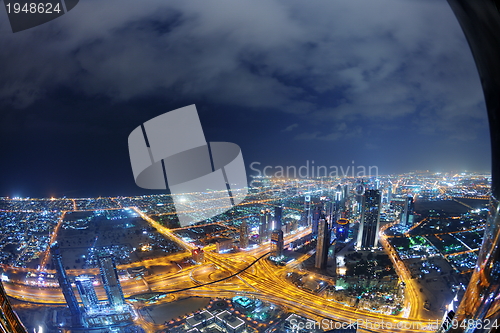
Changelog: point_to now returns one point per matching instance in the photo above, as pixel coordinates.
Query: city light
(228, 255)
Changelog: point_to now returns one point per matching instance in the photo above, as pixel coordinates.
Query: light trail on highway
(250, 273)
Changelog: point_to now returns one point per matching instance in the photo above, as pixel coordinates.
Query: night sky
(382, 83)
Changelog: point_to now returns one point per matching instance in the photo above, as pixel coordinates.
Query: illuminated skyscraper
(316, 215)
(277, 243)
(330, 210)
(110, 281)
(342, 229)
(9, 322)
(339, 193)
(323, 244)
(360, 190)
(346, 192)
(244, 234)
(87, 293)
(370, 220)
(264, 223)
(278, 212)
(338, 202)
(407, 213)
(307, 210)
(65, 284)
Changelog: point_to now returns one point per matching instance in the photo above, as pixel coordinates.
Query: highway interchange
(249, 273)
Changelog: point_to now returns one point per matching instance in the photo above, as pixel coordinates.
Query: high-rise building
(316, 215)
(87, 293)
(307, 210)
(264, 225)
(330, 210)
(277, 243)
(244, 234)
(342, 229)
(278, 212)
(323, 243)
(339, 193)
(370, 220)
(407, 213)
(347, 212)
(346, 191)
(65, 284)
(339, 199)
(111, 283)
(360, 190)
(9, 321)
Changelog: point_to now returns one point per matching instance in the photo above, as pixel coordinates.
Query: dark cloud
(341, 69)
(385, 56)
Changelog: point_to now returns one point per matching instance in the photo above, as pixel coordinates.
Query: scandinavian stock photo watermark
(329, 324)
(309, 170)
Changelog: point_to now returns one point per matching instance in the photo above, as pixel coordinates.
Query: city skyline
(155, 258)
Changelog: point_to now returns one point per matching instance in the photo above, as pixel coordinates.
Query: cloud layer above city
(331, 71)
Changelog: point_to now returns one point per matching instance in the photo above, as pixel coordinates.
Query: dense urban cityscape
(367, 199)
(377, 254)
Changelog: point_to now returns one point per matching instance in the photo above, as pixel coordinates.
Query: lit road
(268, 283)
(413, 303)
(262, 279)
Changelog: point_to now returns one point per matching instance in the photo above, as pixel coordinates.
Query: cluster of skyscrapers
(84, 284)
(269, 229)
(330, 217)
(265, 223)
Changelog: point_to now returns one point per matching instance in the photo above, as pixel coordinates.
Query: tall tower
(110, 281)
(360, 189)
(307, 210)
(407, 213)
(323, 244)
(65, 284)
(265, 219)
(316, 215)
(330, 210)
(87, 292)
(346, 191)
(244, 234)
(370, 220)
(339, 198)
(278, 212)
(9, 321)
(389, 192)
(277, 243)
